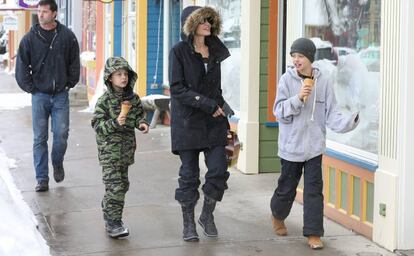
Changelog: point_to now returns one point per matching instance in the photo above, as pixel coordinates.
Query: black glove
(227, 110)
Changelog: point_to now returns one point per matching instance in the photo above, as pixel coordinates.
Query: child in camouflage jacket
(115, 136)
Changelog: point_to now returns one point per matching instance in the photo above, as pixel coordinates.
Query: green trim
(332, 189)
(268, 160)
(356, 196)
(370, 202)
(344, 190)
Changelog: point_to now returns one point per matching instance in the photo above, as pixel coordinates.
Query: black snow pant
(285, 193)
(189, 175)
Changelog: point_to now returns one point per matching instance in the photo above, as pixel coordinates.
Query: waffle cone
(125, 107)
(308, 81)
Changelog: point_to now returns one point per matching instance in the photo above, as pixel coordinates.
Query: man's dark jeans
(57, 107)
(215, 178)
(285, 193)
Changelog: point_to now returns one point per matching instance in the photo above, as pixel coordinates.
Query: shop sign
(28, 3)
(10, 22)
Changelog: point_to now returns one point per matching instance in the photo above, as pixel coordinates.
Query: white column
(394, 179)
(166, 41)
(294, 25)
(248, 126)
(76, 13)
(405, 223)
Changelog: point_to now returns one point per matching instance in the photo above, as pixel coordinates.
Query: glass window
(230, 11)
(132, 34)
(347, 38)
(108, 30)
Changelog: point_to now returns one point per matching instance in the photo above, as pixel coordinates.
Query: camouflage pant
(115, 179)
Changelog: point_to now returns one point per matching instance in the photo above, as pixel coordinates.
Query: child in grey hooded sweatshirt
(304, 111)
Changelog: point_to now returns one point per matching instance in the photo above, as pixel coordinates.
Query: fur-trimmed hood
(192, 16)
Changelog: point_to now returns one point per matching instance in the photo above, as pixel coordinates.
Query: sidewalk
(70, 217)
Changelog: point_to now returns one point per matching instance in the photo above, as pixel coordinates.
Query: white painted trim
(248, 126)
(166, 41)
(294, 25)
(405, 221)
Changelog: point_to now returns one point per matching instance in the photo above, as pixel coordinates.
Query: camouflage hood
(115, 63)
(192, 16)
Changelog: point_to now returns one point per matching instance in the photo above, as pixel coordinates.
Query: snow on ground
(18, 232)
(12, 101)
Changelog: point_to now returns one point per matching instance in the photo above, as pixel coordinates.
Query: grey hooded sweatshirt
(302, 125)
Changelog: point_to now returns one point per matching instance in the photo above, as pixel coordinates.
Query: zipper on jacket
(53, 39)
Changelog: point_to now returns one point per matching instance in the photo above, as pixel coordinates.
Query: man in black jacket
(47, 66)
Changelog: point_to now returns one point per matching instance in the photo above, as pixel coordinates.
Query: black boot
(206, 219)
(189, 231)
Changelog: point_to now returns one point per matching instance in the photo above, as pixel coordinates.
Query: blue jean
(215, 178)
(57, 107)
(285, 193)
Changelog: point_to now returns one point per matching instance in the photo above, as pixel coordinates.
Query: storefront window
(230, 11)
(132, 34)
(347, 38)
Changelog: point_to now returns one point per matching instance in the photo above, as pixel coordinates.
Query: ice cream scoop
(125, 107)
(307, 81)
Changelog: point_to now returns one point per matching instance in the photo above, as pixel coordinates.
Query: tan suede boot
(315, 242)
(279, 227)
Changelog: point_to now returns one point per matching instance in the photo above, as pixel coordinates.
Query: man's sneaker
(279, 227)
(42, 186)
(116, 229)
(58, 173)
(315, 242)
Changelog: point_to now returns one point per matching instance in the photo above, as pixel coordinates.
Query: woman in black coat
(198, 121)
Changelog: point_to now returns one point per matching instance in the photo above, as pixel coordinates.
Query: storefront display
(347, 38)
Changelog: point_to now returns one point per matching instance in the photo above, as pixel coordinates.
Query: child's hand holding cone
(125, 107)
(307, 88)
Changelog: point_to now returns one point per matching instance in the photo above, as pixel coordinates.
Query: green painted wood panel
(268, 160)
(263, 82)
(332, 189)
(268, 133)
(262, 115)
(264, 33)
(264, 50)
(344, 191)
(267, 165)
(370, 202)
(356, 196)
(263, 100)
(268, 149)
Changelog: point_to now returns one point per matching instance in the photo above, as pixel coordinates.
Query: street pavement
(70, 217)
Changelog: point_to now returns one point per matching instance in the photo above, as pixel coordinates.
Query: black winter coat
(48, 68)
(196, 95)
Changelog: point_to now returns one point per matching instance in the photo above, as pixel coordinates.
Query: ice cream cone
(125, 107)
(307, 81)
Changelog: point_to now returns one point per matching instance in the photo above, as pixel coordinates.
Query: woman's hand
(219, 112)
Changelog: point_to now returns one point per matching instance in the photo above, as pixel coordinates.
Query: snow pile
(18, 232)
(13, 101)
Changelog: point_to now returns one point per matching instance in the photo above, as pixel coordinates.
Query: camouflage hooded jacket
(116, 143)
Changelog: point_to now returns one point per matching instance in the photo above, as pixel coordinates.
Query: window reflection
(347, 38)
(230, 11)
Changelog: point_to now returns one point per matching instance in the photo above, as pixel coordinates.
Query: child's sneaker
(315, 242)
(116, 229)
(279, 227)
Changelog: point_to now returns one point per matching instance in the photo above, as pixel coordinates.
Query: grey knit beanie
(304, 46)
